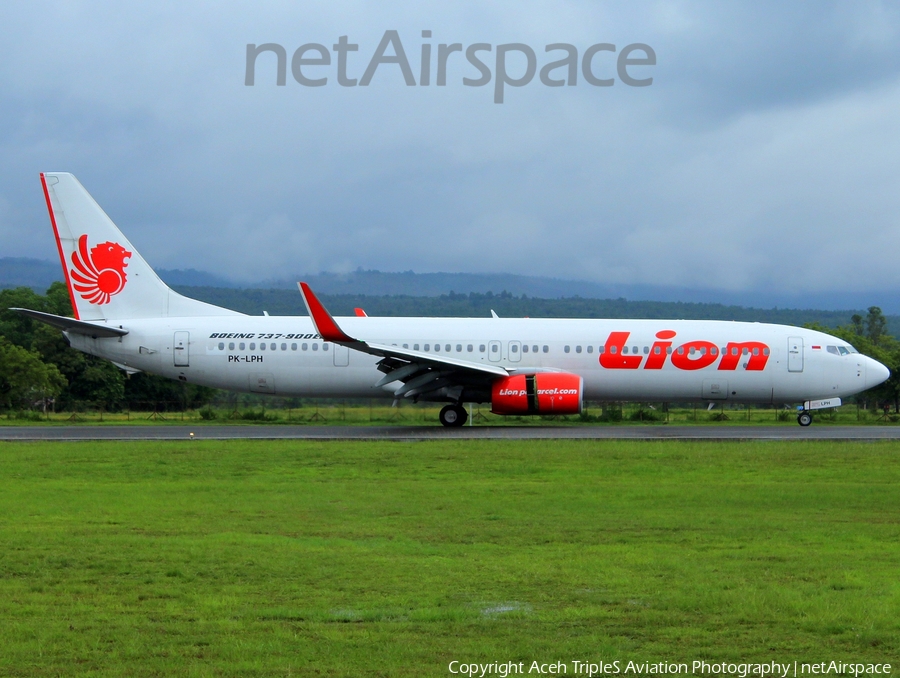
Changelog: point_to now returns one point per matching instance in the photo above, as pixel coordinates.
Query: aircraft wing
(419, 372)
(71, 325)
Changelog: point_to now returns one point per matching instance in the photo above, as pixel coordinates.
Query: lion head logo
(100, 273)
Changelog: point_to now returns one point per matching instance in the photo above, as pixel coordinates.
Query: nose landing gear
(453, 415)
(804, 418)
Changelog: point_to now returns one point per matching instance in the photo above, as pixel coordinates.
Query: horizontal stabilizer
(94, 330)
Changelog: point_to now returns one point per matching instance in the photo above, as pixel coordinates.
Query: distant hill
(22, 272)
(38, 274)
(289, 302)
(435, 284)
(465, 294)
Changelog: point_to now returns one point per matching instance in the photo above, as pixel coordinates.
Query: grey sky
(766, 154)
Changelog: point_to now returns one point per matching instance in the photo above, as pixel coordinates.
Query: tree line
(38, 369)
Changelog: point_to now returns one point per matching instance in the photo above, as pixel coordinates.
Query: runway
(422, 433)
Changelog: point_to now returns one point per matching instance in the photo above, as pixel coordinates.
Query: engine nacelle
(543, 393)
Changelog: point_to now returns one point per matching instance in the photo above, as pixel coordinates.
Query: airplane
(125, 313)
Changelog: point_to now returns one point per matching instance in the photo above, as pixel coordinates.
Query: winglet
(324, 323)
(360, 313)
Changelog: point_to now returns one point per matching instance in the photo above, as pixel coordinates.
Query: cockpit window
(843, 350)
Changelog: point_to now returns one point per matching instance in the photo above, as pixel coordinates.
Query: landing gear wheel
(453, 415)
(804, 418)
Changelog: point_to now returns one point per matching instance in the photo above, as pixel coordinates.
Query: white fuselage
(694, 360)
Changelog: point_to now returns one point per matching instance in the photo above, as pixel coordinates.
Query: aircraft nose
(876, 373)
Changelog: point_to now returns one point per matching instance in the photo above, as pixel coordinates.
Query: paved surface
(660, 432)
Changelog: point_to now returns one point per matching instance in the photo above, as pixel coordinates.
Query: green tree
(876, 325)
(24, 378)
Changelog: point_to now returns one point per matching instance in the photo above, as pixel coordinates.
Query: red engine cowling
(544, 393)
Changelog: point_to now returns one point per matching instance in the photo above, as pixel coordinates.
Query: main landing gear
(804, 418)
(453, 415)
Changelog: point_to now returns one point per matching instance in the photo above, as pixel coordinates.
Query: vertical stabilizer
(107, 278)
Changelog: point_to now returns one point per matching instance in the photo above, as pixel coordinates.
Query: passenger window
(495, 348)
(746, 351)
(668, 350)
(681, 350)
(765, 351)
(755, 350)
(590, 349)
(546, 349)
(566, 349)
(714, 351)
(734, 350)
(459, 348)
(646, 350)
(470, 348)
(514, 348)
(304, 347)
(262, 347)
(437, 347)
(447, 348)
(624, 349)
(615, 349)
(221, 345)
(231, 346)
(284, 347)
(656, 350)
(405, 345)
(241, 346)
(601, 350)
(692, 351)
(427, 347)
(325, 347)
(525, 348)
(293, 347)
(534, 349)
(252, 346)
(416, 347)
(315, 347)
(634, 350)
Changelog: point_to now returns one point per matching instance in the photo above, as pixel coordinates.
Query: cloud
(764, 155)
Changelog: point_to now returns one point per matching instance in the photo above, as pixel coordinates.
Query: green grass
(302, 558)
(380, 413)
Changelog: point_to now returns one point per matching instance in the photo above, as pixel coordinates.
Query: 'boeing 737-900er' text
(126, 314)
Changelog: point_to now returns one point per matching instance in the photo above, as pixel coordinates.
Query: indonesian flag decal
(99, 274)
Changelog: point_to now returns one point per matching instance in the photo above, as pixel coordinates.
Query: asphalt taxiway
(413, 433)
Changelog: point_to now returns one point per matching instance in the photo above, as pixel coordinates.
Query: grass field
(345, 559)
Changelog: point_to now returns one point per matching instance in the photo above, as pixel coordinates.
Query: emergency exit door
(341, 355)
(181, 349)
(795, 354)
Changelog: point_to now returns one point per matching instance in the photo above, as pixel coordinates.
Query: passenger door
(795, 354)
(181, 349)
